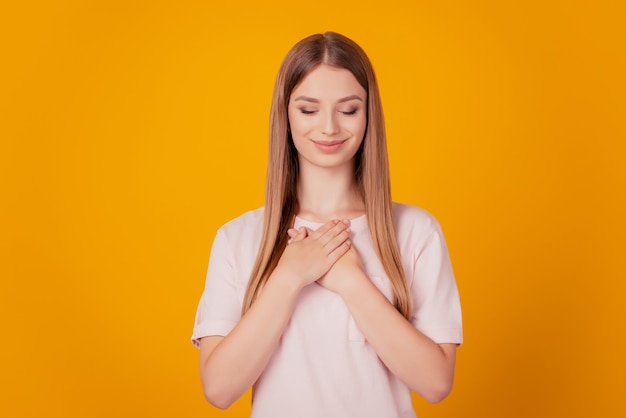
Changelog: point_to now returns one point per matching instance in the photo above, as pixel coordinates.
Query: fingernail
(346, 221)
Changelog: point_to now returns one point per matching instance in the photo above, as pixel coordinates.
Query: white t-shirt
(323, 366)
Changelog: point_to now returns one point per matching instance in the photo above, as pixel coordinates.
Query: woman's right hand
(310, 254)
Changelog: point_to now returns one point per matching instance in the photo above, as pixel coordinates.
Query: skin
(327, 116)
(327, 188)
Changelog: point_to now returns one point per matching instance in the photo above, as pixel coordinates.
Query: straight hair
(371, 168)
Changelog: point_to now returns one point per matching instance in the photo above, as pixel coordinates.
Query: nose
(328, 124)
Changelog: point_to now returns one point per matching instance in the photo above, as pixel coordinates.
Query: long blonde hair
(371, 164)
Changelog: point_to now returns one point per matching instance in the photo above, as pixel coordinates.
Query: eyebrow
(312, 100)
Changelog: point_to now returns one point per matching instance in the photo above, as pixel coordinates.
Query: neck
(328, 193)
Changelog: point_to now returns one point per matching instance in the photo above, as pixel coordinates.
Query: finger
(301, 234)
(339, 239)
(338, 252)
(291, 232)
(334, 231)
(324, 228)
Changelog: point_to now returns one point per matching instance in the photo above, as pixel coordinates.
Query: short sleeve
(219, 309)
(434, 292)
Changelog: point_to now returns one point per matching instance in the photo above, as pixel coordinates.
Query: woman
(331, 301)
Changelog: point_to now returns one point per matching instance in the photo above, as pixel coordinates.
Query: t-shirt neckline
(357, 223)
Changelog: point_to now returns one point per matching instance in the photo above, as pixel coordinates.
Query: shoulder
(245, 220)
(236, 243)
(248, 226)
(414, 226)
(409, 216)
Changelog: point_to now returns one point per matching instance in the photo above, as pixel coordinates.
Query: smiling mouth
(329, 143)
(329, 147)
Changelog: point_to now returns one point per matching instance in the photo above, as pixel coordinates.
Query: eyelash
(310, 112)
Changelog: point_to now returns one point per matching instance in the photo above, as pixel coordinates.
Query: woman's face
(327, 116)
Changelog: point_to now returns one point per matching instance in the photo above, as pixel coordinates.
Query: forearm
(409, 354)
(238, 360)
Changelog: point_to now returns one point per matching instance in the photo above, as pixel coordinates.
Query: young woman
(331, 301)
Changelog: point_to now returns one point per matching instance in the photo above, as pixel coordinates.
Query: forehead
(329, 83)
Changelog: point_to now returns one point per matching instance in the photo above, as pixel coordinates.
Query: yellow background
(131, 130)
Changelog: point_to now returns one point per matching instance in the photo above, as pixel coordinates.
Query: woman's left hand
(344, 273)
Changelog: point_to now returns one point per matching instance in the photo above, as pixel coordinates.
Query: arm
(230, 365)
(424, 366)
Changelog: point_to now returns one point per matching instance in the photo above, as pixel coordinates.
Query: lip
(329, 146)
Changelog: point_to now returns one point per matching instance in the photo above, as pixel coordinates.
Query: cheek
(357, 126)
(300, 125)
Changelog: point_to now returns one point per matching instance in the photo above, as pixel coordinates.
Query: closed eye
(307, 112)
(350, 112)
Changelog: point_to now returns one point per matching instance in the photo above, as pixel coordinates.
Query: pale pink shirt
(323, 366)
